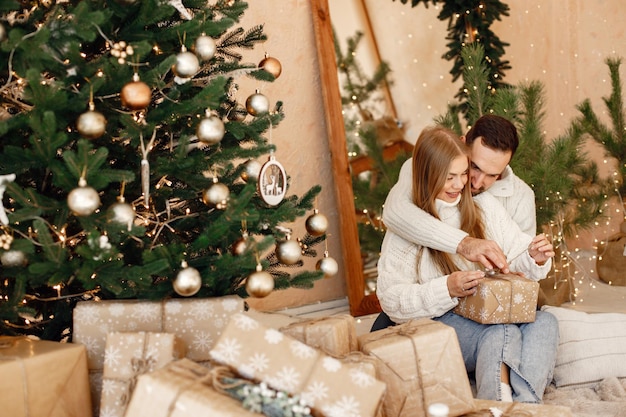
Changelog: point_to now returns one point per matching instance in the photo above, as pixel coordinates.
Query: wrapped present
(180, 389)
(421, 363)
(264, 354)
(273, 319)
(126, 357)
(43, 378)
(505, 298)
(488, 408)
(333, 335)
(197, 322)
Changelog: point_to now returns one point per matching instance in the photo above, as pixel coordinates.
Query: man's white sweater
(406, 292)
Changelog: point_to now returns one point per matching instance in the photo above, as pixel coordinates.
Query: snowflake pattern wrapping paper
(329, 385)
(333, 335)
(43, 378)
(505, 298)
(421, 363)
(197, 322)
(182, 389)
(126, 357)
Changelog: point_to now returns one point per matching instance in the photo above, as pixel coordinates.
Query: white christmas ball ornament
(253, 168)
(260, 283)
(216, 195)
(288, 252)
(188, 281)
(210, 130)
(257, 104)
(91, 124)
(204, 47)
(187, 64)
(123, 213)
(13, 258)
(328, 266)
(316, 224)
(83, 200)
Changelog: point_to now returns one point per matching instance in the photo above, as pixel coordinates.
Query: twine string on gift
(139, 366)
(409, 333)
(6, 343)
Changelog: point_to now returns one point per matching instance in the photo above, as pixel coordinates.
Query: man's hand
(487, 252)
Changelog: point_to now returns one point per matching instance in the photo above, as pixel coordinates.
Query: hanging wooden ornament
(272, 183)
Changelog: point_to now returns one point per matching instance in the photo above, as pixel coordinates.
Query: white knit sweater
(406, 293)
(403, 217)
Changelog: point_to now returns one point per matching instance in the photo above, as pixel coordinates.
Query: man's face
(487, 165)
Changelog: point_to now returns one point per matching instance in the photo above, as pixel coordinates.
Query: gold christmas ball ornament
(204, 47)
(210, 130)
(83, 200)
(253, 168)
(91, 124)
(188, 281)
(216, 196)
(13, 258)
(271, 65)
(122, 213)
(186, 65)
(136, 95)
(260, 283)
(239, 246)
(237, 113)
(316, 224)
(328, 266)
(3, 32)
(257, 104)
(288, 252)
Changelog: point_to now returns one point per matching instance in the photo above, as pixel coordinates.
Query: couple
(437, 235)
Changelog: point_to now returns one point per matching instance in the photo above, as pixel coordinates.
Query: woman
(510, 361)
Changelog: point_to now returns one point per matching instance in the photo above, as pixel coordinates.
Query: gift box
(488, 408)
(126, 357)
(43, 378)
(264, 354)
(333, 335)
(421, 363)
(180, 389)
(197, 322)
(505, 298)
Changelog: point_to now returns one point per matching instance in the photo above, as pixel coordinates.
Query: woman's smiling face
(456, 179)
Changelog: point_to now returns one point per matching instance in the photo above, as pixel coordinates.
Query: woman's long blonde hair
(433, 153)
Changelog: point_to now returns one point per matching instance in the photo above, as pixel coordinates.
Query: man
(493, 141)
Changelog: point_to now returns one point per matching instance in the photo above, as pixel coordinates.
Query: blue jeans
(528, 349)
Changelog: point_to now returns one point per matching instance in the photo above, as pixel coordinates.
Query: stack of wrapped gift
(128, 356)
(421, 363)
(327, 384)
(197, 323)
(334, 335)
(43, 378)
(505, 298)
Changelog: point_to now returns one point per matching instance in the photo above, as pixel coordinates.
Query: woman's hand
(463, 283)
(541, 249)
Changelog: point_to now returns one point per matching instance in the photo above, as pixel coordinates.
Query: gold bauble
(83, 200)
(259, 284)
(136, 95)
(240, 246)
(122, 213)
(188, 282)
(288, 252)
(328, 266)
(91, 124)
(204, 47)
(253, 168)
(316, 224)
(216, 196)
(210, 130)
(271, 65)
(257, 104)
(186, 65)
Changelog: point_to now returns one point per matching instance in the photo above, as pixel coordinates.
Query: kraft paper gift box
(43, 378)
(505, 298)
(259, 353)
(129, 355)
(333, 335)
(197, 322)
(421, 363)
(182, 388)
(488, 408)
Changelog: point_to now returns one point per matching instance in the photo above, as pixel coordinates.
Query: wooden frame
(360, 304)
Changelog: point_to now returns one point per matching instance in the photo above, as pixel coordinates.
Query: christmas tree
(129, 169)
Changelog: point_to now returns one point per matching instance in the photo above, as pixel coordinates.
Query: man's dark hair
(497, 133)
